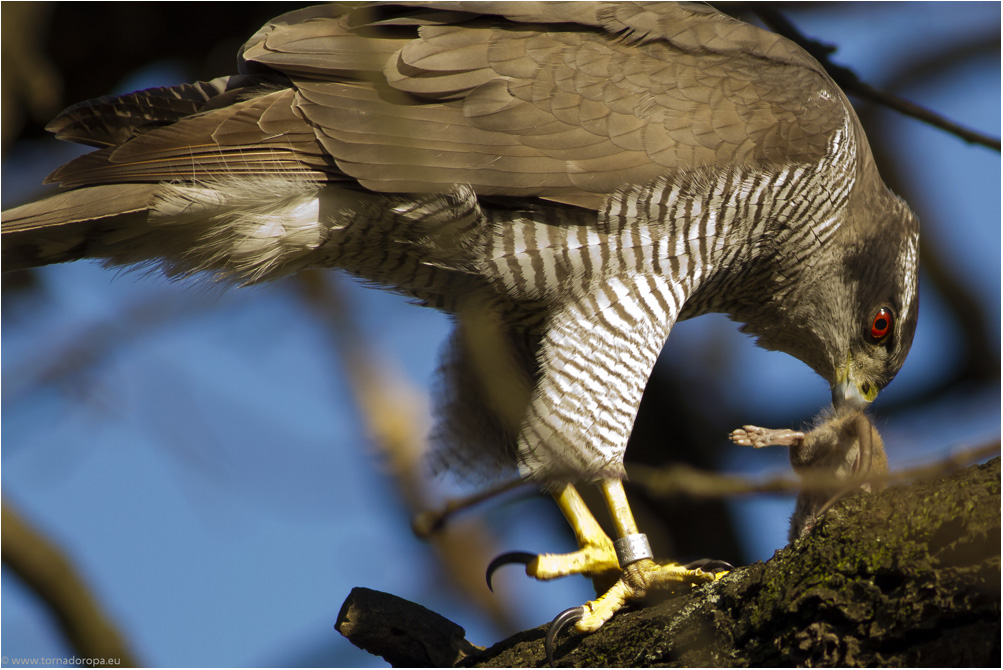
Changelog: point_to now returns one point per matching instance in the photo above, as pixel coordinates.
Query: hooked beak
(848, 392)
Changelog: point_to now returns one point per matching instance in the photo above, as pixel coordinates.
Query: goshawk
(567, 179)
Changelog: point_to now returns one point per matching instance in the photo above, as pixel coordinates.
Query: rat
(842, 445)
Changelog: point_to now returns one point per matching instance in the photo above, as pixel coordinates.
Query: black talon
(520, 557)
(570, 615)
(711, 565)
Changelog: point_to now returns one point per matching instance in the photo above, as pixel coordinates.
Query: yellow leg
(619, 508)
(639, 575)
(595, 555)
(628, 561)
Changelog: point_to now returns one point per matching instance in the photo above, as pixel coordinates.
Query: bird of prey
(567, 179)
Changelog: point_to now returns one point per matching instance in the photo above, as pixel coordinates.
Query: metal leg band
(632, 548)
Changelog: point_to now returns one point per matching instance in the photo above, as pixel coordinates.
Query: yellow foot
(634, 584)
(626, 563)
(593, 560)
(596, 558)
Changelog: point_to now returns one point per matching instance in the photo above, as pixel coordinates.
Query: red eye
(882, 324)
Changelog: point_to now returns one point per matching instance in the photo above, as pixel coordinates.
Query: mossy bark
(910, 577)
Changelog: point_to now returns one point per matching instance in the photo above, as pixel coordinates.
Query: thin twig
(848, 80)
(681, 480)
(428, 521)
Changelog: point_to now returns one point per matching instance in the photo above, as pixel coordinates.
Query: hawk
(567, 179)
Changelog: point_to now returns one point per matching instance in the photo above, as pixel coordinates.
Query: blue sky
(207, 471)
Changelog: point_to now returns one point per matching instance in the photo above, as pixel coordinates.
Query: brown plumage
(508, 106)
(567, 179)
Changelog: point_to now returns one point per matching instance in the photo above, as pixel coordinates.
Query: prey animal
(843, 446)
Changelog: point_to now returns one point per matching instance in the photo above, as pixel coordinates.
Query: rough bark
(910, 577)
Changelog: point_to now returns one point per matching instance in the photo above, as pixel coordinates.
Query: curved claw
(566, 617)
(712, 565)
(520, 557)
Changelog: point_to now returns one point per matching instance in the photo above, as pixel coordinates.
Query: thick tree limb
(907, 577)
(370, 619)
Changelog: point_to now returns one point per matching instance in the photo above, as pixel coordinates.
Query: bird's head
(851, 314)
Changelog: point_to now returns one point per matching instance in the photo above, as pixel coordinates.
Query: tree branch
(907, 577)
(848, 80)
(51, 576)
(392, 412)
(682, 480)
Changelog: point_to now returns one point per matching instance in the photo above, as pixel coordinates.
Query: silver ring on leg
(632, 548)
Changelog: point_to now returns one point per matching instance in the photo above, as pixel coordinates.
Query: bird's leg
(595, 557)
(629, 559)
(595, 553)
(639, 572)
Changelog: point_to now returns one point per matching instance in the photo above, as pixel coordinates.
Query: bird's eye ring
(881, 324)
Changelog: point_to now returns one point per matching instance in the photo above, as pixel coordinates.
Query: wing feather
(258, 136)
(564, 101)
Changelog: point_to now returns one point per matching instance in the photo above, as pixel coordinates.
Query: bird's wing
(565, 101)
(256, 133)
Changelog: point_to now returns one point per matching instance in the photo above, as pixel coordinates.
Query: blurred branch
(687, 481)
(848, 80)
(31, 87)
(51, 576)
(83, 348)
(981, 362)
(393, 414)
(981, 357)
(681, 480)
(429, 521)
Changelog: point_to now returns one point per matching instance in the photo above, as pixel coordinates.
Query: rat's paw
(757, 437)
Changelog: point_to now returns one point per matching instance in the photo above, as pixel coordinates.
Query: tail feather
(62, 227)
(241, 230)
